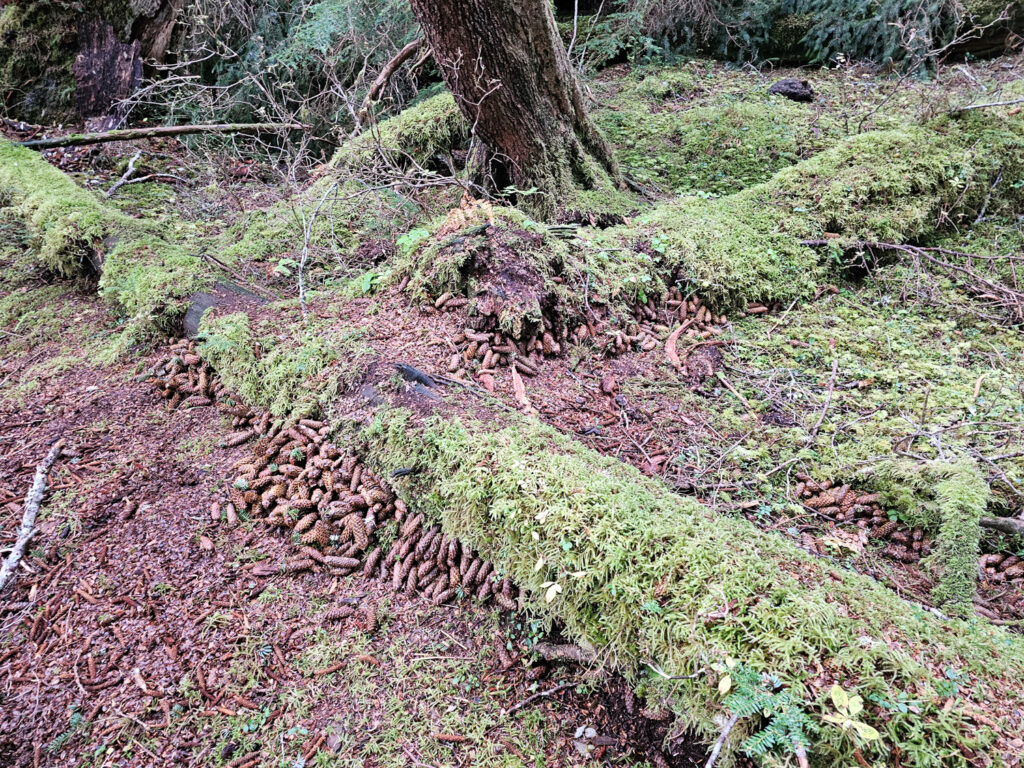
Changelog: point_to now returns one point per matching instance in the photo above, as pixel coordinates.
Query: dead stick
(136, 134)
(828, 397)
(28, 517)
(538, 695)
(716, 750)
(385, 74)
(1009, 525)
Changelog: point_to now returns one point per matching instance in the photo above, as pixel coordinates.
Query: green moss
(644, 576)
(716, 149)
(434, 126)
(36, 53)
(893, 186)
(948, 498)
(146, 277)
(68, 224)
(279, 365)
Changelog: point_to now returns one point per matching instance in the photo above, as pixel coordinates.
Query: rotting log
(144, 274)
(156, 132)
(657, 586)
(666, 590)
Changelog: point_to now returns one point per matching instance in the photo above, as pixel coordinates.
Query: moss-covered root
(147, 278)
(962, 494)
(679, 597)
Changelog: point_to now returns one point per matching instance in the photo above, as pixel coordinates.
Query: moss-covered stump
(708, 615)
(147, 278)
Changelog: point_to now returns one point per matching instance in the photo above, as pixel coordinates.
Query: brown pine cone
(885, 530)
(319, 534)
(306, 522)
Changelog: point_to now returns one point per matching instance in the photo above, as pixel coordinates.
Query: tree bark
(508, 70)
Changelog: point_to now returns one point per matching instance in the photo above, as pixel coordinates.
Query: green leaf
(855, 706)
(865, 731)
(839, 698)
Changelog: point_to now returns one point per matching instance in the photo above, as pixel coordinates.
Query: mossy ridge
(280, 365)
(147, 278)
(894, 186)
(418, 133)
(717, 149)
(642, 571)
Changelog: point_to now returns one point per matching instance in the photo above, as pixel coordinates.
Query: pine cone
(319, 534)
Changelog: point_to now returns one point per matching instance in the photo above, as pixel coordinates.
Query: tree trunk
(508, 70)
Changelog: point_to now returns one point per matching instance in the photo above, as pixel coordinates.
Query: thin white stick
(721, 740)
(28, 517)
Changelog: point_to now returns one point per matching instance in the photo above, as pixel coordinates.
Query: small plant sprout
(845, 716)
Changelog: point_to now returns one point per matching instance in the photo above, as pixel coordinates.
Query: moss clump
(716, 149)
(896, 186)
(949, 499)
(68, 224)
(652, 580)
(145, 277)
(434, 126)
(289, 373)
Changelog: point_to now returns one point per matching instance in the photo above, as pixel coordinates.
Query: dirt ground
(137, 635)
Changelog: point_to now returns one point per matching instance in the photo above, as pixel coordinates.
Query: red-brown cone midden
(906, 544)
(298, 481)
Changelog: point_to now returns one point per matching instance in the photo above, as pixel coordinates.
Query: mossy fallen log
(145, 276)
(902, 186)
(679, 598)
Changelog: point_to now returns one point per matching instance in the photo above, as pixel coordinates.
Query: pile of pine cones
(482, 353)
(847, 505)
(328, 500)
(1001, 567)
(184, 379)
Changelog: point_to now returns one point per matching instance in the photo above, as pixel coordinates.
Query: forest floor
(143, 632)
(144, 637)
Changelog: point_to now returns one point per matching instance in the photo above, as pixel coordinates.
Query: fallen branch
(1009, 299)
(717, 749)
(385, 74)
(1010, 525)
(1008, 103)
(828, 398)
(137, 134)
(28, 516)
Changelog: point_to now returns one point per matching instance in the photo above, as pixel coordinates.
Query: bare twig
(986, 105)
(538, 695)
(717, 749)
(828, 398)
(28, 517)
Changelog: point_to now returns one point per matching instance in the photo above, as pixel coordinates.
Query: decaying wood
(28, 516)
(137, 134)
(1010, 525)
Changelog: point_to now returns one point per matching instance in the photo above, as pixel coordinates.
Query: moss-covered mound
(147, 278)
(415, 136)
(717, 149)
(293, 374)
(688, 602)
(896, 186)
